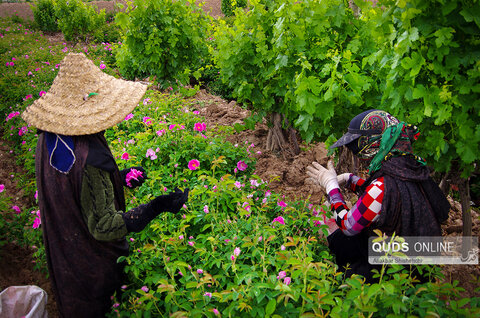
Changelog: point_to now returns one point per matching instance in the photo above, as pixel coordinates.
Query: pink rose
(193, 164)
(242, 166)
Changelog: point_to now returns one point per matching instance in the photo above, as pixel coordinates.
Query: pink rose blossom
(282, 204)
(287, 280)
(125, 156)
(147, 120)
(282, 247)
(145, 289)
(133, 174)
(151, 154)
(16, 209)
(42, 93)
(200, 127)
(207, 294)
(279, 219)
(2, 188)
(191, 243)
(102, 66)
(36, 223)
(205, 209)
(200, 271)
(238, 184)
(282, 275)
(242, 166)
(180, 237)
(193, 164)
(236, 251)
(129, 116)
(215, 311)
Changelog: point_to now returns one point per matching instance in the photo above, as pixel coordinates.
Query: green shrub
(44, 15)
(163, 38)
(108, 33)
(78, 20)
(229, 6)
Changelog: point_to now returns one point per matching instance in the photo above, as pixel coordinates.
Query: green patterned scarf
(390, 137)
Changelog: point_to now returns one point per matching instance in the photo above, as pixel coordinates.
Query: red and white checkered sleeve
(364, 212)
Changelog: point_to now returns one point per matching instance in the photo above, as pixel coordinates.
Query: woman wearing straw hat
(398, 197)
(80, 188)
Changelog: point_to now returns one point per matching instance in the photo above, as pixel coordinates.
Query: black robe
(84, 271)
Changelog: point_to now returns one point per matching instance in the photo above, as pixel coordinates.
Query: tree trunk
(355, 164)
(275, 139)
(444, 184)
(464, 190)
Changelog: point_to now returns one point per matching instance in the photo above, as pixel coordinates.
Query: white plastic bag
(23, 301)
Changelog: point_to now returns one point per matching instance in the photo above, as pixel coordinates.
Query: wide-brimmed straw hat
(83, 100)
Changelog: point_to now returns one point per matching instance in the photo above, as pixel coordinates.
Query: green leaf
(472, 14)
(389, 288)
(303, 121)
(419, 91)
(122, 19)
(191, 285)
(442, 114)
(448, 7)
(468, 152)
(270, 309)
(443, 36)
(282, 60)
(373, 289)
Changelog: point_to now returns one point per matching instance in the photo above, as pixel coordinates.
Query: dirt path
(16, 263)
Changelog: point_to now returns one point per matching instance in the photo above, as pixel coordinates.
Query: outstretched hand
(326, 178)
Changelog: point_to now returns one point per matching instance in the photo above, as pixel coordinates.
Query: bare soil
(16, 262)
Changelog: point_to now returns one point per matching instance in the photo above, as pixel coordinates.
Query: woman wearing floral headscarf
(398, 197)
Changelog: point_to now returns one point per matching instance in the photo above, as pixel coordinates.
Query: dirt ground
(286, 173)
